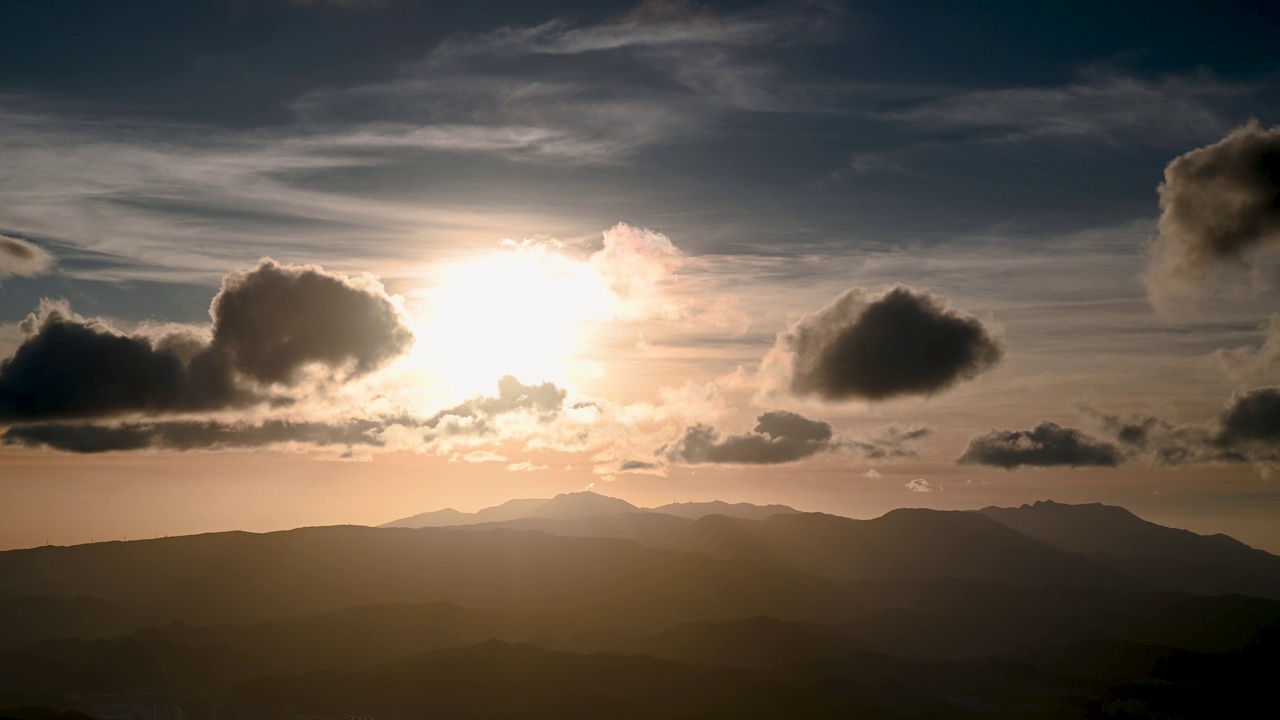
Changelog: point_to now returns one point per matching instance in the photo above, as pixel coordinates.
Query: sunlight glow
(520, 311)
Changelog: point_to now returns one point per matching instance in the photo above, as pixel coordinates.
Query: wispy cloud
(1103, 105)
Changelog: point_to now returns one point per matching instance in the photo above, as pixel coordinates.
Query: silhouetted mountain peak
(746, 511)
(1115, 531)
(580, 505)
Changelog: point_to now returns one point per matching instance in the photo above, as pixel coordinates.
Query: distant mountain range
(572, 506)
(570, 605)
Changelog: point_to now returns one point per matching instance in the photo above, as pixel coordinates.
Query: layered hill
(572, 605)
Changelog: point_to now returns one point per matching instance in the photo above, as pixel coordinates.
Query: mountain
(28, 618)
(245, 577)
(568, 506)
(581, 505)
(585, 606)
(910, 544)
(1164, 556)
(1036, 544)
(746, 511)
(508, 510)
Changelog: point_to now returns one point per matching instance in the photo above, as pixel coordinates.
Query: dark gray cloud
(269, 325)
(1047, 445)
(1218, 203)
(19, 257)
(544, 399)
(190, 435)
(890, 442)
(778, 437)
(1246, 430)
(632, 465)
(1251, 416)
(901, 342)
(273, 321)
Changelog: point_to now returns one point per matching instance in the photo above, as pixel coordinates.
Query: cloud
(919, 485)
(185, 435)
(1047, 445)
(480, 456)
(873, 474)
(890, 442)
(271, 325)
(1251, 416)
(525, 466)
(1220, 204)
(544, 399)
(1245, 431)
(528, 92)
(273, 321)
(778, 437)
(19, 257)
(874, 347)
(1102, 105)
(638, 465)
(1253, 363)
(635, 263)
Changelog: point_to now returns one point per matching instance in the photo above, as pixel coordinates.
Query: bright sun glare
(517, 312)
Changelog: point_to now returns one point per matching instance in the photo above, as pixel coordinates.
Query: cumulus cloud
(513, 395)
(1245, 431)
(19, 257)
(874, 347)
(1251, 416)
(919, 485)
(191, 435)
(1253, 363)
(273, 321)
(635, 264)
(778, 437)
(270, 326)
(872, 474)
(1047, 445)
(1220, 205)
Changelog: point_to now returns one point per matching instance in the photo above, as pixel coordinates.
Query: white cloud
(20, 257)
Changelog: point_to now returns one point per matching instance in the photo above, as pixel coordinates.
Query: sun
(520, 311)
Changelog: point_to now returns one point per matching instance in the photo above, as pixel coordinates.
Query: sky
(275, 263)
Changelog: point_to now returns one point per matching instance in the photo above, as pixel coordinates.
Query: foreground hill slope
(912, 544)
(244, 577)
